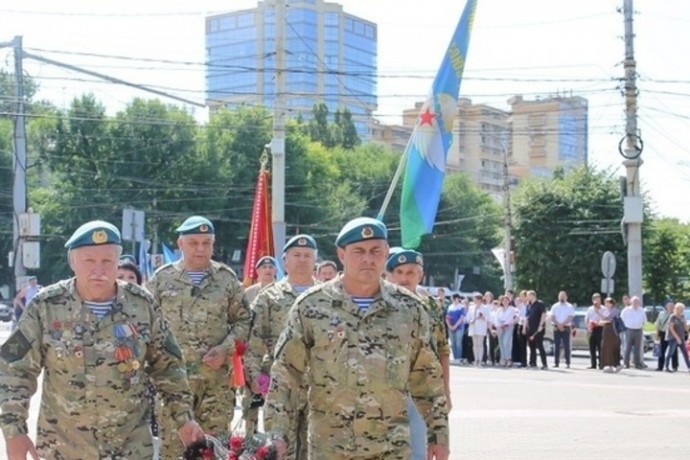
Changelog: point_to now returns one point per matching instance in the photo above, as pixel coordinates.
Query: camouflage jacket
(356, 369)
(270, 309)
(201, 317)
(92, 403)
(438, 324)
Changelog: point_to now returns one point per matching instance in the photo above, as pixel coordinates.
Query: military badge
(99, 237)
(402, 259)
(203, 228)
(340, 332)
(302, 242)
(367, 232)
(16, 347)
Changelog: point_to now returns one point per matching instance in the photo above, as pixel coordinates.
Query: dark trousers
(561, 338)
(519, 346)
(537, 343)
(595, 345)
(663, 346)
(493, 348)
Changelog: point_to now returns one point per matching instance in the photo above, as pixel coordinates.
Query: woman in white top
(477, 319)
(505, 321)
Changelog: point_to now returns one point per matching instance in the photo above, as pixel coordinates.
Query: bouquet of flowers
(235, 447)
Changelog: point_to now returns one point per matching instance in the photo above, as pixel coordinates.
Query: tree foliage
(667, 261)
(562, 228)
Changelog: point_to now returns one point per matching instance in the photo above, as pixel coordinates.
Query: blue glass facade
(330, 57)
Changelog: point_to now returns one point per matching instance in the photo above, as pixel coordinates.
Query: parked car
(578, 335)
(6, 312)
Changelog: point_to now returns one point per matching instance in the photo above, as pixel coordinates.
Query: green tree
(318, 127)
(8, 100)
(666, 266)
(562, 228)
(350, 138)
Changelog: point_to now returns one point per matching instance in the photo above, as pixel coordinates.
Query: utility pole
(278, 141)
(630, 147)
(18, 160)
(507, 222)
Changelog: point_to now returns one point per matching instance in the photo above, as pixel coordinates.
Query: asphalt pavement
(556, 414)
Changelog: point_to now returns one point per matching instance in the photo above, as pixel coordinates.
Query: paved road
(559, 414)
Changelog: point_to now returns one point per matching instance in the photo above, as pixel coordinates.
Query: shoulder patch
(16, 347)
(54, 290)
(163, 268)
(137, 290)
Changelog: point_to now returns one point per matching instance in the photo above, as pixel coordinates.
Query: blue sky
(533, 48)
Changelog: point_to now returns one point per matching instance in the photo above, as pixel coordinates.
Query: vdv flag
(169, 255)
(431, 138)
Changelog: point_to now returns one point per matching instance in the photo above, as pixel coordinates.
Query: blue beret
(94, 233)
(300, 241)
(361, 229)
(265, 260)
(196, 225)
(402, 257)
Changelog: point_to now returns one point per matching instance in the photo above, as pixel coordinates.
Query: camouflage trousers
(67, 442)
(298, 447)
(214, 407)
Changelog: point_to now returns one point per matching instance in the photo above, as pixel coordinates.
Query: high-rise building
(329, 56)
(548, 133)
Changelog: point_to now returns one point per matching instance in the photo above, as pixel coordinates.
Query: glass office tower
(330, 56)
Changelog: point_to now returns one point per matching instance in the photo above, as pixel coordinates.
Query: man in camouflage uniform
(204, 303)
(356, 346)
(92, 335)
(270, 310)
(265, 274)
(405, 268)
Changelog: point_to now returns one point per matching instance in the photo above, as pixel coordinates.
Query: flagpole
(394, 182)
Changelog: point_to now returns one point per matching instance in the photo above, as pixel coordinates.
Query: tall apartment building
(547, 133)
(330, 57)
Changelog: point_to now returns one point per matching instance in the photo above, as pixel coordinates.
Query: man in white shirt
(562, 313)
(592, 318)
(478, 328)
(634, 318)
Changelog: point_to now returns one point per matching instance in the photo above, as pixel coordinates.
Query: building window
(331, 19)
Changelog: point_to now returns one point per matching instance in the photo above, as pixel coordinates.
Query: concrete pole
(278, 141)
(19, 160)
(633, 215)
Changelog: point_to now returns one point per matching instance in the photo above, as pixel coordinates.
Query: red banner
(261, 232)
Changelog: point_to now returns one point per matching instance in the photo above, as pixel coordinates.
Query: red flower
(232, 456)
(240, 347)
(236, 443)
(261, 452)
(208, 454)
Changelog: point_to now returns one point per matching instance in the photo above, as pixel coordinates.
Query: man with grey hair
(93, 335)
(634, 318)
(205, 304)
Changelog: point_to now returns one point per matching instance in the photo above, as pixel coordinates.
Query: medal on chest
(126, 351)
